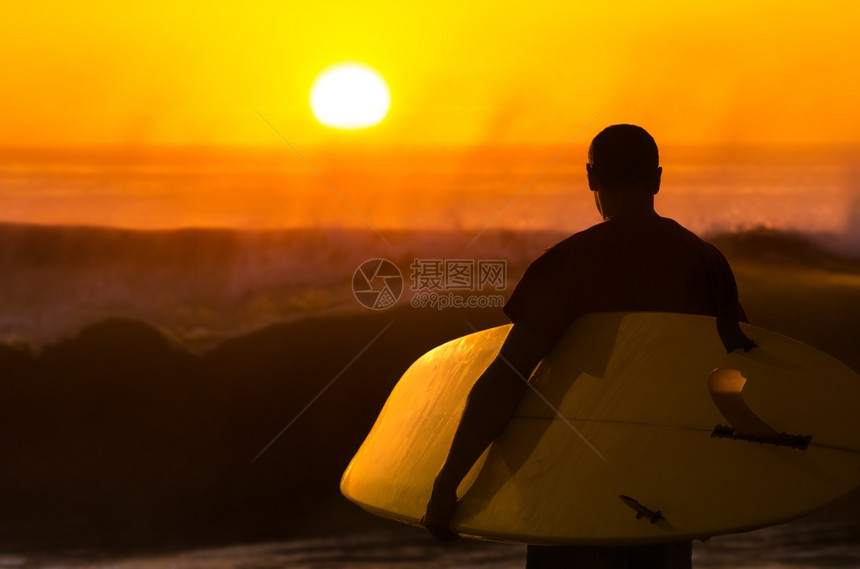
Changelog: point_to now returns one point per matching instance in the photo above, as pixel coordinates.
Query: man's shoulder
(623, 225)
(570, 245)
(643, 229)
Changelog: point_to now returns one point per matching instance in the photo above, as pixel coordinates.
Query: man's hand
(440, 510)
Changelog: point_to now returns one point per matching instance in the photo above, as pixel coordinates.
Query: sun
(350, 96)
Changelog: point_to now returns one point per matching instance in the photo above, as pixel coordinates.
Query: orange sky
(167, 72)
(483, 96)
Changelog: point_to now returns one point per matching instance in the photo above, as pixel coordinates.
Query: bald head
(624, 156)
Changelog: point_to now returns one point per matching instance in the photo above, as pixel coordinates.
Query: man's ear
(593, 184)
(657, 181)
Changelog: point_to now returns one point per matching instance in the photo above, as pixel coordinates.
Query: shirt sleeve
(727, 288)
(541, 300)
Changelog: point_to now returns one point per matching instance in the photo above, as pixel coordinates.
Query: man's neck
(625, 208)
(612, 203)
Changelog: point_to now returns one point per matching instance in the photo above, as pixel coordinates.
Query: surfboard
(638, 428)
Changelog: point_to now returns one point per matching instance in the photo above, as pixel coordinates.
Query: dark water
(201, 287)
(805, 544)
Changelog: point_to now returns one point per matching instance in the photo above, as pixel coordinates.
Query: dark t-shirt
(637, 262)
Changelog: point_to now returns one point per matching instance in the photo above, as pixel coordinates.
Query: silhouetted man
(634, 260)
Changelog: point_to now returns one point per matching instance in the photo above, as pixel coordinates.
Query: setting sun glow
(159, 114)
(350, 96)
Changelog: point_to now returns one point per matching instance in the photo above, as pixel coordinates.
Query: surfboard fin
(726, 388)
(731, 335)
(642, 511)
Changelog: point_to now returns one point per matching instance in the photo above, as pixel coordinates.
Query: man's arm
(489, 407)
